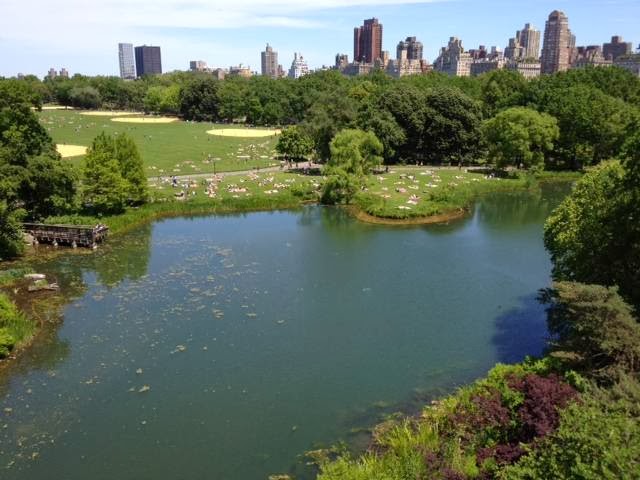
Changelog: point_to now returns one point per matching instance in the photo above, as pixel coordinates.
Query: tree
(200, 100)
(21, 133)
(593, 235)
(406, 104)
(593, 125)
(331, 113)
(452, 126)
(131, 169)
(593, 330)
(33, 180)
(520, 136)
(294, 143)
(104, 188)
(354, 154)
(501, 89)
(85, 97)
(11, 242)
(161, 99)
(49, 186)
(374, 118)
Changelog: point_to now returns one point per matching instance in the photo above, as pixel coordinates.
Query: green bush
(7, 342)
(15, 327)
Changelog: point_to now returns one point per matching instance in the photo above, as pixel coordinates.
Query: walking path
(179, 178)
(301, 166)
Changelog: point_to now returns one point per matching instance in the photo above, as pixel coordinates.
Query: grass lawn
(234, 193)
(178, 148)
(410, 192)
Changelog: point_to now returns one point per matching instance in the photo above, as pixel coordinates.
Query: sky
(83, 36)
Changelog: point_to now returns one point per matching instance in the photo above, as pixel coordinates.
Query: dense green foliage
(34, 182)
(598, 439)
(425, 118)
(354, 154)
(294, 144)
(520, 136)
(593, 331)
(15, 328)
(594, 236)
(113, 175)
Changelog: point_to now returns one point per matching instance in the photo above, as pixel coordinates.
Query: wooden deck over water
(72, 235)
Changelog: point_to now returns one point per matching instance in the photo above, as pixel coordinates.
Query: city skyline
(321, 31)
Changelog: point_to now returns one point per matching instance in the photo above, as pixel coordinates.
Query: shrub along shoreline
(16, 328)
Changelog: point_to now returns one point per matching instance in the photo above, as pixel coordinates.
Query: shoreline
(446, 217)
(158, 211)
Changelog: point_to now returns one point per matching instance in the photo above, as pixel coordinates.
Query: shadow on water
(521, 331)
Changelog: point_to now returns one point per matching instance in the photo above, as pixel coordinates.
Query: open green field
(178, 148)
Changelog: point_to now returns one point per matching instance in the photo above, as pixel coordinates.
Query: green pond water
(225, 347)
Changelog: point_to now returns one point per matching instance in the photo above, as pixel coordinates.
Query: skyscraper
(270, 62)
(526, 44)
(367, 41)
(127, 61)
(529, 39)
(148, 60)
(409, 49)
(557, 49)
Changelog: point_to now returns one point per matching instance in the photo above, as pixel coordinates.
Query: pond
(226, 346)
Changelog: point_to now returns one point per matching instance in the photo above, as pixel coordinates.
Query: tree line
(584, 115)
(565, 121)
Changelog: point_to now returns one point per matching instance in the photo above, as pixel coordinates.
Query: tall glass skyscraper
(127, 61)
(148, 60)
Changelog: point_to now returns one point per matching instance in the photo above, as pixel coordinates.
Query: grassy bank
(15, 328)
(404, 195)
(474, 433)
(414, 194)
(245, 193)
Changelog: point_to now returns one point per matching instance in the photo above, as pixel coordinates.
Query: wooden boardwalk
(72, 235)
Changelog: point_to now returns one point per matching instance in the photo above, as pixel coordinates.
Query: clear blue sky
(37, 34)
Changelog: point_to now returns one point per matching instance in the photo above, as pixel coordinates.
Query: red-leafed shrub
(543, 398)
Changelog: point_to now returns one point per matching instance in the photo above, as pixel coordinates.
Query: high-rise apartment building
(342, 61)
(557, 49)
(148, 60)
(198, 66)
(299, 66)
(127, 61)
(453, 60)
(526, 44)
(409, 49)
(367, 42)
(514, 50)
(616, 48)
(270, 62)
(529, 39)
